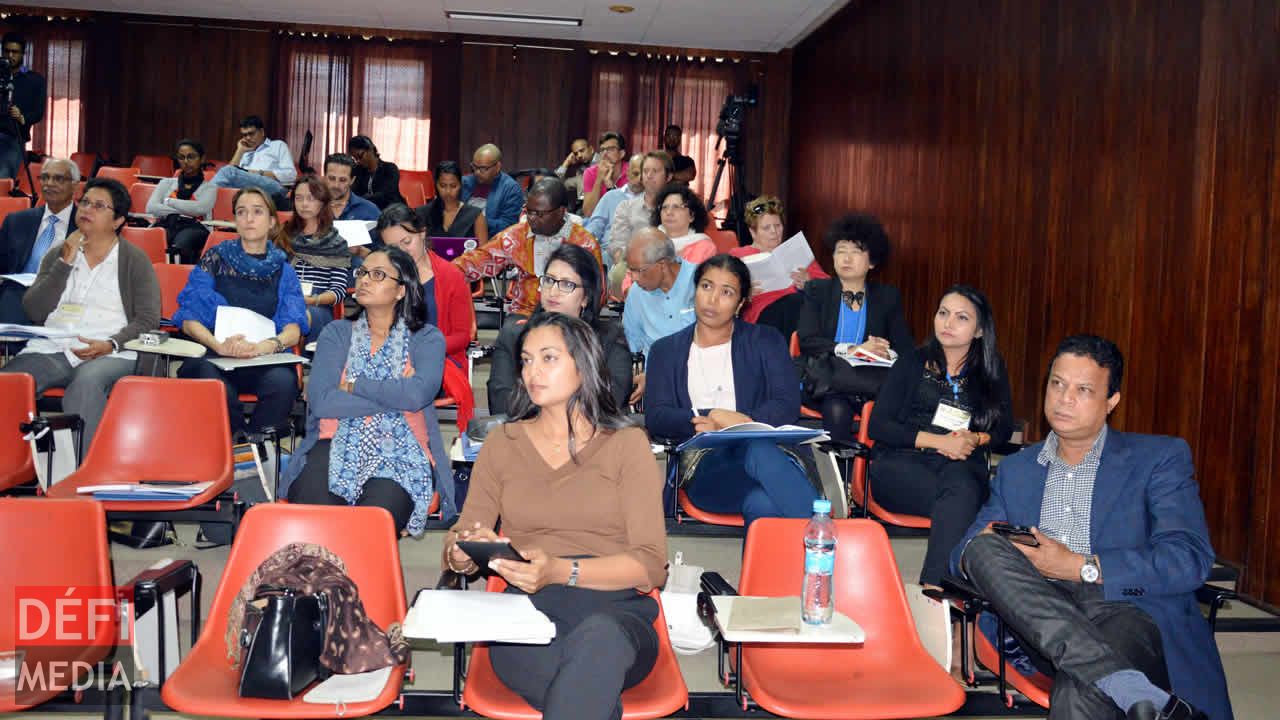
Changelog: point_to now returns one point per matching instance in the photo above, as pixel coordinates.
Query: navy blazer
(1148, 530)
(18, 236)
(765, 384)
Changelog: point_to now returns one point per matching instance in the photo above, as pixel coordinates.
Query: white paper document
(353, 688)
(225, 363)
(449, 616)
(772, 271)
(241, 321)
(355, 232)
(39, 331)
(23, 279)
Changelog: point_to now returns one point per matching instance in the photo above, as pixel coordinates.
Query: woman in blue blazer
(719, 372)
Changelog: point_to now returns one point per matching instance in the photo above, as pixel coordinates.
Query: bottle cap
(822, 506)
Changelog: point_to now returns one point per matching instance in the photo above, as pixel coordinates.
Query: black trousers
(188, 241)
(1070, 631)
(275, 385)
(311, 487)
(948, 492)
(604, 644)
(838, 411)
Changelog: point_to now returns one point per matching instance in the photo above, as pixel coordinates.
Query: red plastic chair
(660, 694)
(127, 175)
(74, 532)
(1036, 687)
(139, 196)
(889, 675)
(215, 237)
(152, 240)
(858, 483)
(6, 186)
(153, 165)
(425, 177)
(805, 411)
(172, 279)
(12, 205)
(144, 417)
(223, 208)
(412, 192)
(205, 683)
(25, 186)
(17, 405)
(85, 162)
(725, 240)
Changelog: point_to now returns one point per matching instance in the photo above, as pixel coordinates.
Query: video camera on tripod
(731, 115)
(729, 128)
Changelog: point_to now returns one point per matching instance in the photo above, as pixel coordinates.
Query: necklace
(700, 361)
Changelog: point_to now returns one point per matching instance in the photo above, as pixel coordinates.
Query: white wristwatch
(1089, 572)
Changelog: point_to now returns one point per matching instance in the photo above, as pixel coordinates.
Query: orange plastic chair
(25, 186)
(139, 196)
(216, 237)
(85, 161)
(412, 192)
(153, 165)
(889, 675)
(858, 483)
(805, 411)
(706, 516)
(425, 177)
(284, 216)
(660, 694)
(74, 532)
(127, 175)
(17, 404)
(6, 186)
(12, 205)
(144, 416)
(152, 240)
(205, 683)
(725, 240)
(223, 208)
(1036, 687)
(172, 279)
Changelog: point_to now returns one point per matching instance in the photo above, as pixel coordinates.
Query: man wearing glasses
(258, 162)
(27, 235)
(526, 246)
(492, 190)
(605, 175)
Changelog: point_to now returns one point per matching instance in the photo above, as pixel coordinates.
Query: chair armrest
(1214, 597)
(844, 450)
(41, 423)
(180, 577)
(713, 583)
(450, 580)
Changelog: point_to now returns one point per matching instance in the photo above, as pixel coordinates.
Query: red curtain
(338, 88)
(639, 96)
(58, 53)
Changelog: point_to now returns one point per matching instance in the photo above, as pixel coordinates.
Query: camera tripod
(738, 190)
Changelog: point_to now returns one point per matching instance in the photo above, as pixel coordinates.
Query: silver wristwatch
(1089, 572)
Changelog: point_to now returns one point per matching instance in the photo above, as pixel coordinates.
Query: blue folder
(727, 437)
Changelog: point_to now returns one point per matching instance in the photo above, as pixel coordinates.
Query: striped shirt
(1068, 494)
(332, 279)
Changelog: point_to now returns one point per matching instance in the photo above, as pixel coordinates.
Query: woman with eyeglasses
(373, 438)
(320, 255)
(764, 218)
(250, 272)
(846, 320)
(445, 215)
(569, 286)
(446, 297)
(682, 216)
(180, 203)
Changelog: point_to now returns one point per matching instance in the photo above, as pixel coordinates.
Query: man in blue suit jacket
(21, 230)
(1106, 602)
(489, 188)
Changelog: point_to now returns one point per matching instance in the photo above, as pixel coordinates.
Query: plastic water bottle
(819, 565)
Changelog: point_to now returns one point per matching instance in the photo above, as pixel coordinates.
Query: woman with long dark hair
(579, 495)
(936, 418)
(320, 255)
(372, 433)
(570, 285)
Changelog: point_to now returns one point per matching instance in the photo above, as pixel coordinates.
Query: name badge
(951, 416)
(306, 289)
(66, 315)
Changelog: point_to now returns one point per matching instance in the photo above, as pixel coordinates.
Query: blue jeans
(234, 177)
(756, 479)
(11, 149)
(318, 316)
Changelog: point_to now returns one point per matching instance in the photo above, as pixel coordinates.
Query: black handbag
(281, 643)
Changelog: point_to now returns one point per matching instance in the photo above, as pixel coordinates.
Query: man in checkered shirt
(1105, 603)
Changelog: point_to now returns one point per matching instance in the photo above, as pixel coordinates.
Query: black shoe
(1175, 709)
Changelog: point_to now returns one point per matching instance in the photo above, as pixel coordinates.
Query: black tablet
(482, 552)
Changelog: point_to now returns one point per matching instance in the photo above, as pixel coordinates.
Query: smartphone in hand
(1016, 533)
(482, 552)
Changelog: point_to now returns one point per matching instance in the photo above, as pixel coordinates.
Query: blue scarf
(380, 445)
(244, 264)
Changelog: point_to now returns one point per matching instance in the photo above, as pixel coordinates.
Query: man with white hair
(492, 190)
(27, 235)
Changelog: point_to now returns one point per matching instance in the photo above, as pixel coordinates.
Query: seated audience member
(579, 494)
(671, 141)
(375, 179)
(446, 215)
(527, 246)
(491, 190)
(721, 372)
(251, 272)
(846, 314)
(320, 255)
(446, 301)
(605, 175)
(601, 221)
(372, 433)
(661, 302)
(571, 286)
(636, 214)
(764, 219)
(935, 421)
(339, 171)
(1106, 603)
(575, 163)
(180, 203)
(27, 235)
(104, 290)
(258, 162)
(682, 216)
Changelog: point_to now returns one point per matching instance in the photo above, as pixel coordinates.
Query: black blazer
(18, 236)
(386, 184)
(816, 326)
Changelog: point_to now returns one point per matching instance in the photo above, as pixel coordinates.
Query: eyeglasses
(539, 213)
(681, 206)
(769, 207)
(607, 148)
(483, 168)
(377, 274)
(87, 204)
(47, 178)
(635, 271)
(564, 286)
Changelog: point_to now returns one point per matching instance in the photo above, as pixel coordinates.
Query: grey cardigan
(139, 290)
(200, 205)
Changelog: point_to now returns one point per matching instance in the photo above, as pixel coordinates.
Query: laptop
(450, 248)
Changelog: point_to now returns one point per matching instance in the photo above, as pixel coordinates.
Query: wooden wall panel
(1101, 167)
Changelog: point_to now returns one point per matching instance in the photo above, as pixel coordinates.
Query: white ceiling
(745, 25)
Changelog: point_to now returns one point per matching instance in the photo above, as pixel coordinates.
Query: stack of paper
(772, 271)
(166, 492)
(231, 321)
(451, 616)
(35, 331)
